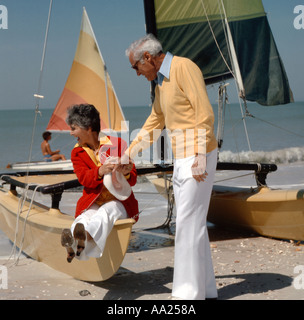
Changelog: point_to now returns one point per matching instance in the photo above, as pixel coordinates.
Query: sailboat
(35, 228)
(88, 82)
(232, 39)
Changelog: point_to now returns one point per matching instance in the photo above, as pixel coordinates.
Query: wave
(282, 156)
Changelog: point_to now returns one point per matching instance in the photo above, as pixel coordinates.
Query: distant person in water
(48, 154)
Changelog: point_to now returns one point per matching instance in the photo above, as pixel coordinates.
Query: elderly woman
(98, 208)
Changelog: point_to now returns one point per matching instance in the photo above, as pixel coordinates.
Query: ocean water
(276, 134)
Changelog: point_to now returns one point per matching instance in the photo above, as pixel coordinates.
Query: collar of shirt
(164, 70)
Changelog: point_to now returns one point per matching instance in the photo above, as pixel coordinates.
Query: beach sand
(247, 267)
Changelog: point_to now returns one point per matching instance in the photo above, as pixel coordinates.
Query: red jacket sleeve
(85, 170)
(133, 176)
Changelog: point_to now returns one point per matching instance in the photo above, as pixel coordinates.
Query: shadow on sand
(128, 285)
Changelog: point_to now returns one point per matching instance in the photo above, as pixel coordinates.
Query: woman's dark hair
(85, 116)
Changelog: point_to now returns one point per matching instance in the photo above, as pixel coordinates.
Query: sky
(116, 24)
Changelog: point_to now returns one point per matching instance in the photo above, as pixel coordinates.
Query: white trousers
(98, 221)
(193, 277)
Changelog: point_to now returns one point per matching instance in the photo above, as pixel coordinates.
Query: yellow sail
(89, 82)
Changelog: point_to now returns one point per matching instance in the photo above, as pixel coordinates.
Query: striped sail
(89, 82)
(196, 29)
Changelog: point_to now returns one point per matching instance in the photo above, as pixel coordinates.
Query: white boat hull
(43, 165)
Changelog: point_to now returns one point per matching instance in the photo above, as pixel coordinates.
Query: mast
(149, 8)
(237, 72)
(150, 17)
(107, 96)
(105, 67)
(37, 95)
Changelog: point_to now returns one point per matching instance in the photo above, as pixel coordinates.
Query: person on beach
(182, 105)
(107, 196)
(48, 154)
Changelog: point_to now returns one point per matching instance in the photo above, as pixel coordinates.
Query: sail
(196, 29)
(89, 82)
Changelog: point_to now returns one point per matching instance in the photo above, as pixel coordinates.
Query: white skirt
(98, 221)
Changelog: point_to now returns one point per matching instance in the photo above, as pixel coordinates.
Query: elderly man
(181, 105)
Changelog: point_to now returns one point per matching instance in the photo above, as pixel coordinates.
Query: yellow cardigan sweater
(182, 105)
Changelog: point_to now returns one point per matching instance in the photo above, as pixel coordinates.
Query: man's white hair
(148, 43)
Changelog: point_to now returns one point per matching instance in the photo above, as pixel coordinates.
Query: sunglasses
(135, 65)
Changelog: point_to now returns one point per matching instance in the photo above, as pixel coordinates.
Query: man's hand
(198, 168)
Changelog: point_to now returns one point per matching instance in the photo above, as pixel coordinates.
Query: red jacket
(87, 173)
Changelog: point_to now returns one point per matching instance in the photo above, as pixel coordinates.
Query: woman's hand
(105, 168)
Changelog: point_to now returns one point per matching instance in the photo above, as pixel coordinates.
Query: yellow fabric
(105, 195)
(104, 140)
(88, 82)
(93, 90)
(181, 104)
(180, 12)
(87, 54)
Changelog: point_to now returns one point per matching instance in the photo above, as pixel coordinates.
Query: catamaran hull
(43, 165)
(272, 213)
(41, 239)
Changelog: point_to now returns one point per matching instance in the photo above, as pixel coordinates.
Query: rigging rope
(241, 93)
(21, 203)
(278, 127)
(215, 40)
(223, 99)
(235, 177)
(38, 96)
(22, 199)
